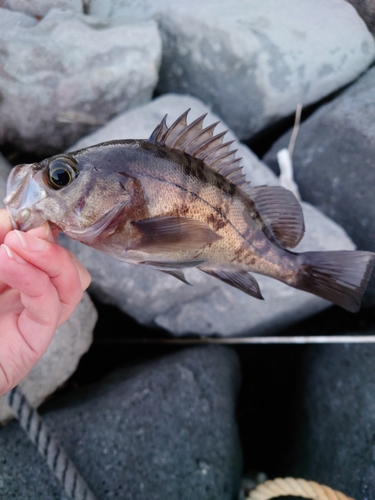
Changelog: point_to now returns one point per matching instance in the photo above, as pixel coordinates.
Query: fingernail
(48, 233)
(32, 243)
(22, 239)
(12, 255)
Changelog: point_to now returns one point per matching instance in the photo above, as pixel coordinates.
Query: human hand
(41, 284)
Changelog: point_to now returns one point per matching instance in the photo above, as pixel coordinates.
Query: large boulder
(209, 307)
(39, 8)
(336, 445)
(253, 61)
(334, 162)
(69, 73)
(163, 431)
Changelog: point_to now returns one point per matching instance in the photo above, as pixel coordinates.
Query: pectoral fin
(170, 234)
(242, 280)
(280, 209)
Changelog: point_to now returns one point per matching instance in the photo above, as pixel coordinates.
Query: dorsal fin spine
(213, 140)
(185, 132)
(219, 159)
(201, 143)
(178, 125)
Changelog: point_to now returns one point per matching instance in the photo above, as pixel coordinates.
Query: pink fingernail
(22, 239)
(32, 243)
(12, 255)
(47, 233)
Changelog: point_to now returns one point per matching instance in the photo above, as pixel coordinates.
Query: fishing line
(308, 339)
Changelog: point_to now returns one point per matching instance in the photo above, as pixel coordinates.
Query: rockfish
(180, 200)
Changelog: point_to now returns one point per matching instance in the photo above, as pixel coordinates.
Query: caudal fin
(340, 277)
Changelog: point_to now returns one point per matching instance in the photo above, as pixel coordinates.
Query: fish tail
(340, 277)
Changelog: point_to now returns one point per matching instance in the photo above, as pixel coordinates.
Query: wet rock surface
(51, 97)
(162, 430)
(253, 62)
(338, 398)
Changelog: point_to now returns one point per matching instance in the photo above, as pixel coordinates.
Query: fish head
(70, 192)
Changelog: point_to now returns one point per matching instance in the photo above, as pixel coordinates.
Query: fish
(180, 200)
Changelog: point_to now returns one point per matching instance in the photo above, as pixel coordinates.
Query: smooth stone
(70, 73)
(69, 343)
(209, 307)
(253, 61)
(40, 8)
(165, 430)
(333, 162)
(337, 418)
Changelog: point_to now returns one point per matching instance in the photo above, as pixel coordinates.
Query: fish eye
(60, 173)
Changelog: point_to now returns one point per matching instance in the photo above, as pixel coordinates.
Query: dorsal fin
(201, 143)
(281, 211)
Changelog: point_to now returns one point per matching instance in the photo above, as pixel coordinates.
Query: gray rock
(5, 168)
(165, 430)
(40, 8)
(338, 427)
(334, 162)
(209, 307)
(366, 9)
(69, 343)
(69, 73)
(252, 61)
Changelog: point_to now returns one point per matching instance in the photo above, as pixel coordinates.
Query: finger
(84, 275)
(55, 261)
(5, 224)
(41, 305)
(45, 232)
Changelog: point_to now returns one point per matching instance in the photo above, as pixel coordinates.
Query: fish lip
(15, 225)
(23, 193)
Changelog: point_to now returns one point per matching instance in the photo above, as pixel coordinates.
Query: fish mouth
(23, 193)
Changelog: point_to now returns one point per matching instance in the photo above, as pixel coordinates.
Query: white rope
(280, 487)
(39, 434)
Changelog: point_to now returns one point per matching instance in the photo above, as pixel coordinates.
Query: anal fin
(173, 268)
(176, 273)
(242, 280)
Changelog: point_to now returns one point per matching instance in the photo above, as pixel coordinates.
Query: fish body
(179, 200)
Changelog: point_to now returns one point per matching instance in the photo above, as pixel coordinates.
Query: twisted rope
(58, 461)
(295, 487)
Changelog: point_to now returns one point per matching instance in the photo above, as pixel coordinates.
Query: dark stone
(334, 163)
(337, 446)
(366, 9)
(163, 430)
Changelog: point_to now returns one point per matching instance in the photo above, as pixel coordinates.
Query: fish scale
(180, 200)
